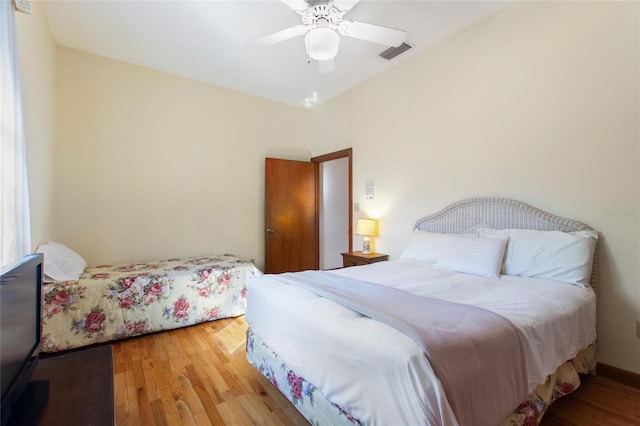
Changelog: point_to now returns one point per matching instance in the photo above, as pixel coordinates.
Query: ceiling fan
(322, 25)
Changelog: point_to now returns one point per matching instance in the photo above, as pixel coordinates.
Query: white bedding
(380, 375)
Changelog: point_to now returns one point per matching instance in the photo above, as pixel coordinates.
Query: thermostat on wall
(368, 190)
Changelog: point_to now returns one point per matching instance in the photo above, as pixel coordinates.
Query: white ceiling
(209, 40)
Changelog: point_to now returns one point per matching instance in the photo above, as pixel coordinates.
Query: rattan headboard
(500, 213)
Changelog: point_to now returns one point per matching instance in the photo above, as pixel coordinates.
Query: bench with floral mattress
(111, 302)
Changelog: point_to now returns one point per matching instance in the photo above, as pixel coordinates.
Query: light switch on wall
(356, 207)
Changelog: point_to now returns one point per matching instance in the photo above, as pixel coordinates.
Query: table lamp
(367, 228)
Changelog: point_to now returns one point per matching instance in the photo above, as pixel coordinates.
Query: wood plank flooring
(199, 375)
(597, 402)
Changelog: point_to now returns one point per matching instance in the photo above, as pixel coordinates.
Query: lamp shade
(322, 43)
(366, 227)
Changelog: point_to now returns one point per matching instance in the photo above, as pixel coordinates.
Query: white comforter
(381, 376)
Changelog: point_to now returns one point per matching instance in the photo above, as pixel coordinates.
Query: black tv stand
(80, 387)
(29, 407)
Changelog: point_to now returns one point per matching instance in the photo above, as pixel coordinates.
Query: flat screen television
(20, 313)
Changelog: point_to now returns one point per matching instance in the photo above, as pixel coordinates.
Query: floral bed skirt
(564, 381)
(305, 396)
(318, 410)
(115, 302)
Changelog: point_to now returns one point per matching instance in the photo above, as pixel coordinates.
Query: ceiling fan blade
(344, 5)
(327, 66)
(283, 35)
(297, 5)
(371, 32)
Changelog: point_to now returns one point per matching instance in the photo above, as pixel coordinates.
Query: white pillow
(423, 246)
(61, 263)
(472, 255)
(555, 255)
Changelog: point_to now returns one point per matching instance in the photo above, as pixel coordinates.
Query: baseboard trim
(619, 375)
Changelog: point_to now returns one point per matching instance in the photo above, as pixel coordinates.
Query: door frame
(345, 153)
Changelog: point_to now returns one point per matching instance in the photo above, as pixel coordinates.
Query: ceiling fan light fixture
(322, 43)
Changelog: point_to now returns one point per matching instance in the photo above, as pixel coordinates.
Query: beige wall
(151, 166)
(36, 52)
(538, 103)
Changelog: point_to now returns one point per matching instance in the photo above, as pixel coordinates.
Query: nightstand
(356, 258)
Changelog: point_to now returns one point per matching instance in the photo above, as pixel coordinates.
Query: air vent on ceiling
(392, 52)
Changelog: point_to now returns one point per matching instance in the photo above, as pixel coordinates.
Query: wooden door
(291, 222)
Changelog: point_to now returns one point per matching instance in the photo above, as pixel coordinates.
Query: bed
(111, 302)
(359, 346)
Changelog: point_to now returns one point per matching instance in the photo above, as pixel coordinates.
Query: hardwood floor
(598, 401)
(199, 375)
